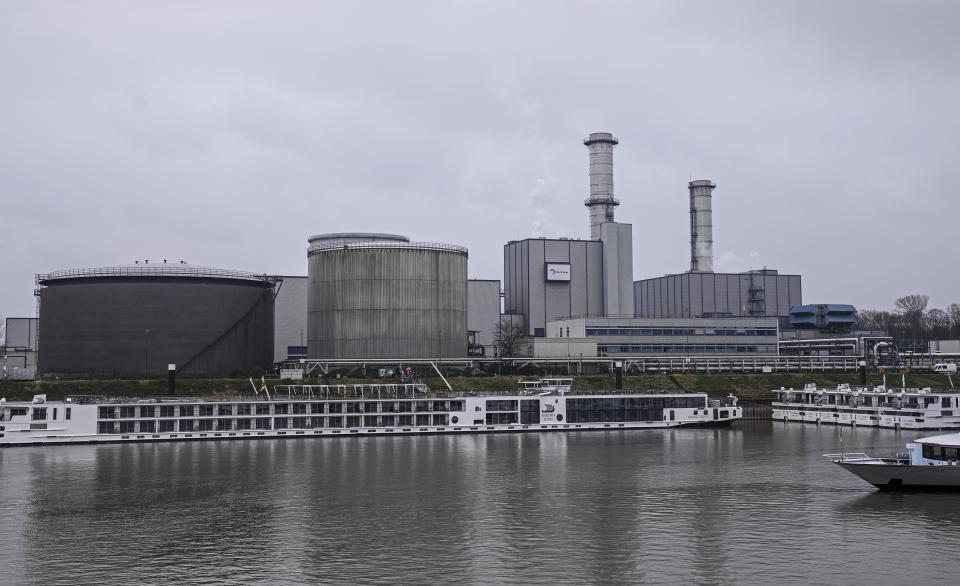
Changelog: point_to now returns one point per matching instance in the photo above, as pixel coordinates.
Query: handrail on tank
(160, 270)
(388, 244)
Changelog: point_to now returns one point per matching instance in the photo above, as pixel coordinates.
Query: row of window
(245, 409)
(606, 349)
(608, 403)
(940, 453)
(648, 332)
(268, 423)
(38, 413)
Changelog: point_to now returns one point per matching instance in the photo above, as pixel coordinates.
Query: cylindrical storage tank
(135, 320)
(385, 298)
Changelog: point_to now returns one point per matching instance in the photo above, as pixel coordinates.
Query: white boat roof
(950, 440)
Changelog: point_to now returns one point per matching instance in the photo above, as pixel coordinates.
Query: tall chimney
(601, 201)
(701, 226)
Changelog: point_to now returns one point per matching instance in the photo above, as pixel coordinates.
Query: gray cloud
(225, 133)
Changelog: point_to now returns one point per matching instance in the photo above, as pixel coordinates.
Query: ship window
(224, 410)
(128, 412)
(147, 411)
(167, 425)
(336, 408)
(243, 409)
(68, 412)
(243, 424)
(148, 426)
(39, 414)
(186, 410)
(15, 411)
(316, 407)
(205, 410)
(263, 409)
(205, 425)
(370, 407)
(299, 408)
(263, 423)
(166, 411)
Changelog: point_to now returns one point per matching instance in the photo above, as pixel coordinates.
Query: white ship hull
(905, 476)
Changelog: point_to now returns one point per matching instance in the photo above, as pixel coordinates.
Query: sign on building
(558, 271)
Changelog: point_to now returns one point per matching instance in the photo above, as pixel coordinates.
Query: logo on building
(558, 271)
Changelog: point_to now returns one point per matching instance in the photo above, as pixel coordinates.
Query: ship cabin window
(370, 407)
(281, 409)
(167, 425)
(456, 405)
(439, 405)
(68, 412)
(128, 412)
(148, 411)
(423, 419)
(353, 421)
(388, 407)
(263, 423)
(54, 413)
(126, 427)
(243, 424)
(501, 418)
(940, 453)
(405, 420)
(205, 425)
(243, 409)
(299, 408)
(39, 414)
(224, 410)
(335, 422)
(166, 411)
(205, 410)
(501, 405)
(404, 406)
(422, 406)
(186, 410)
(148, 426)
(354, 408)
(186, 424)
(263, 409)
(20, 411)
(336, 408)
(316, 408)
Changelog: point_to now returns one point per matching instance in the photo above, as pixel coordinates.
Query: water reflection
(753, 504)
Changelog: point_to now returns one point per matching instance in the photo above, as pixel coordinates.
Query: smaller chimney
(701, 226)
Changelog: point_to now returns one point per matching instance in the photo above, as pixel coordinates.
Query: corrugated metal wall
(705, 294)
(98, 327)
(403, 302)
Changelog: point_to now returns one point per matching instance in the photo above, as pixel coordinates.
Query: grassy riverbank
(745, 386)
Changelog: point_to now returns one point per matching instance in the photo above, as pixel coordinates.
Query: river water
(751, 504)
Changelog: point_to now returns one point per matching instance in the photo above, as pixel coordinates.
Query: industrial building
(759, 293)
(290, 319)
(700, 292)
(18, 356)
(547, 279)
(382, 296)
(483, 316)
(138, 319)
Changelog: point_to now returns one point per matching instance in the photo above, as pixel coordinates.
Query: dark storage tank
(381, 296)
(125, 321)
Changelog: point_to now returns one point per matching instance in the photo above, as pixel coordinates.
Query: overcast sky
(225, 133)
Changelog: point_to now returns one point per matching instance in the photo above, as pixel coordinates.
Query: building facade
(762, 293)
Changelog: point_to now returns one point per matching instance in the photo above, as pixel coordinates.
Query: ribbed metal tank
(132, 320)
(381, 296)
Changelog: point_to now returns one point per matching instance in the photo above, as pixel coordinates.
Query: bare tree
(911, 308)
(953, 310)
(937, 322)
(507, 338)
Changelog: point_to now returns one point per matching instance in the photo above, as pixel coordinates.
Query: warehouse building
(136, 320)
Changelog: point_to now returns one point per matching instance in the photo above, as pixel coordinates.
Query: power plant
(382, 297)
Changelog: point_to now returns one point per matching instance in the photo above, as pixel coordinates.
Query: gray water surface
(755, 503)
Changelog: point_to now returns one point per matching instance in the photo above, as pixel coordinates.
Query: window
(243, 424)
(263, 423)
(299, 408)
(186, 411)
(370, 407)
(146, 411)
(243, 409)
(128, 412)
(205, 425)
(39, 414)
(166, 411)
(148, 426)
(68, 412)
(223, 410)
(205, 410)
(263, 409)
(167, 425)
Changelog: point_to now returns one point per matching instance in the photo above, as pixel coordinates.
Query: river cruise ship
(930, 463)
(346, 410)
(878, 407)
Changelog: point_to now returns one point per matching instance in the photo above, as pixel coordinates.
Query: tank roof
(155, 270)
(358, 237)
